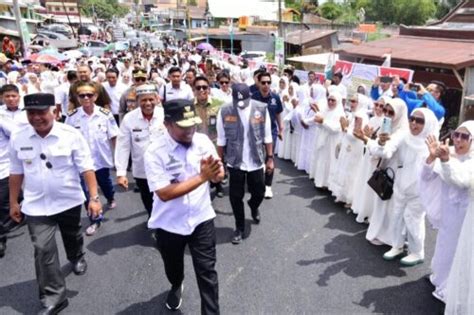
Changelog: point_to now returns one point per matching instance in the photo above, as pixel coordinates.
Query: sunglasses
(353, 101)
(201, 87)
(418, 120)
(265, 82)
(378, 105)
(140, 79)
(460, 135)
(224, 82)
(86, 95)
(48, 164)
(389, 112)
(331, 100)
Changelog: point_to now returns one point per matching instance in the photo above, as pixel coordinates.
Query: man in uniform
(243, 137)
(128, 100)
(179, 166)
(98, 126)
(176, 88)
(84, 72)
(139, 128)
(12, 110)
(47, 157)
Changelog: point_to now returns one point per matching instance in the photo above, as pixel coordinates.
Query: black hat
(182, 112)
(240, 93)
(38, 101)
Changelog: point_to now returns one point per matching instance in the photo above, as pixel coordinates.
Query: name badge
(26, 149)
(136, 130)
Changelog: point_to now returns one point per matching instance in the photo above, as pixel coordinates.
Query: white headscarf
(469, 125)
(431, 127)
(400, 121)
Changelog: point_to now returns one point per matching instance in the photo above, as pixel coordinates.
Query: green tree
(409, 12)
(330, 10)
(103, 9)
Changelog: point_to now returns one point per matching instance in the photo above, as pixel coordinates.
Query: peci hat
(146, 89)
(139, 73)
(240, 93)
(182, 112)
(38, 101)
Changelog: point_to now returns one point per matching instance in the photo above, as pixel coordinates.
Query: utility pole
(280, 26)
(22, 28)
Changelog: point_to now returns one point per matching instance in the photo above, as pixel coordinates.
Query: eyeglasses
(389, 112)
(140, 79)
(353, 101)
(224, 82)
(460, 135)
(265, 82)
(86, 95)
(418, 120)
(379, 105)
(48, 164)
(201, 87)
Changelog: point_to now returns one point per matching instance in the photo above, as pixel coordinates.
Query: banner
(357, 74)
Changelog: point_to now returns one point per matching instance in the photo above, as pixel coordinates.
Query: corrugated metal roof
(303, 37)
(420, 51)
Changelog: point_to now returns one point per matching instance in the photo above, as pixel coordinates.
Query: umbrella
(76, 54)
(54, 54)
(205, 46)
(46, 59)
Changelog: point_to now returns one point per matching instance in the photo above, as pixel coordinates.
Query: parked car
(257, 56)
(58, 28)
(59, 42)
(94, 48)
(52, 35)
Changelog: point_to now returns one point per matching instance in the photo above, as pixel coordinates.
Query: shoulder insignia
(104, 110)
(72, 112)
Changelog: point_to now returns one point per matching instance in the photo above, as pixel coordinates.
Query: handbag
(382, 181)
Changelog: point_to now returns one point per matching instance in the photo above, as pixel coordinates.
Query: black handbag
(382, 181)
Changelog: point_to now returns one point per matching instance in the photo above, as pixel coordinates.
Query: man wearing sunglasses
(275, 108)
(98, 126)
(47, 157)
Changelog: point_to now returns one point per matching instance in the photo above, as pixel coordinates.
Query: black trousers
(51, 282)
(255, 186)
(202, 245)
(145, 194)
(4, 209)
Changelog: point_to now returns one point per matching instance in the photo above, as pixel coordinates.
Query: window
(57, 9)
(71, 9)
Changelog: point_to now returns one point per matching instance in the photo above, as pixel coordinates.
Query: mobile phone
(386, 125)
(386, 79)
(415, 87)
(358, 123)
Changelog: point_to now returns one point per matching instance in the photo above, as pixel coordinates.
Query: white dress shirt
(166, 162)
(244, 114)
(98, 129)
(61, 96)
(184, 92)
(136, 134)
(18, 116)
(48, 191)
(115, 92)
(7, 127)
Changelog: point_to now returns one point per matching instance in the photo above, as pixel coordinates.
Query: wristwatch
(95, 198)
(269, 157)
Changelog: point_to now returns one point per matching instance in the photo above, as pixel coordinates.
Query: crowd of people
(183, 123)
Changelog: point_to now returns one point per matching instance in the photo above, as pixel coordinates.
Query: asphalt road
(307, 256)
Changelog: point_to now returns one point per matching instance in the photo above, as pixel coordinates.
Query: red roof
(419, 51)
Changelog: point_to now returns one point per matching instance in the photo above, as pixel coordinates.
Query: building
(63, 7)
(313, 41)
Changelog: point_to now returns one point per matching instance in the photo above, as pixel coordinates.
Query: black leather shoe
(54, 309)
(79, 267)
(237, 238)
(256, 216)
(3, 248)
(174, 298)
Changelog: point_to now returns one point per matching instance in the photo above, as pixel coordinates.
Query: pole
(231, 36)
(19, 21)
(280, 26)
(68, 19)
(207, 30)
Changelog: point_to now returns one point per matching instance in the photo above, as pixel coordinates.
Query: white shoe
(412, 260)
(393, 253)
(268, 192)
(92, 229)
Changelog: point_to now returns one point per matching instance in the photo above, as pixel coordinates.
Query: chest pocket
(140, 135)
(30, 164)
(60, 158)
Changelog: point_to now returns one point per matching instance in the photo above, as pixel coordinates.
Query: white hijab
(431, 127)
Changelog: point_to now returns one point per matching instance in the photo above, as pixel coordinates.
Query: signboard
(280, 51)
(25, 33)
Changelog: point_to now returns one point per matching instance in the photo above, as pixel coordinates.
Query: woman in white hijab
(380, 230)
(284, 146)
(460, 287)
(446, 203)
(363, 202)
(328, 137)
(293, 119)
(408, 212)
(341, 182)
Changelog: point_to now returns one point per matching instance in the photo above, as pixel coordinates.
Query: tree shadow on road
(354, 256)
(389, 300)
(137, 235)
(22, 297)
(154, 306)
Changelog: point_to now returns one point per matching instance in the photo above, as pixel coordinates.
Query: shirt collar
(94, 113)
(173, 145)
(55, 131)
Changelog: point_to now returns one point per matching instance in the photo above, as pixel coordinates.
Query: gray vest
(234, 133)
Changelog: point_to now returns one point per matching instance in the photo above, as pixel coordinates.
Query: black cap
(182, 112)
(38, 101)
(240, 93)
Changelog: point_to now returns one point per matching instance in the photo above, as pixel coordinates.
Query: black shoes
(174, 299)
(79, 267)
(256, 216)
(3, 248)
(237, 238)
(54, 309)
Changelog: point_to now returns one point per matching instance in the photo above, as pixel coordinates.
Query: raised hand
(443, 151)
